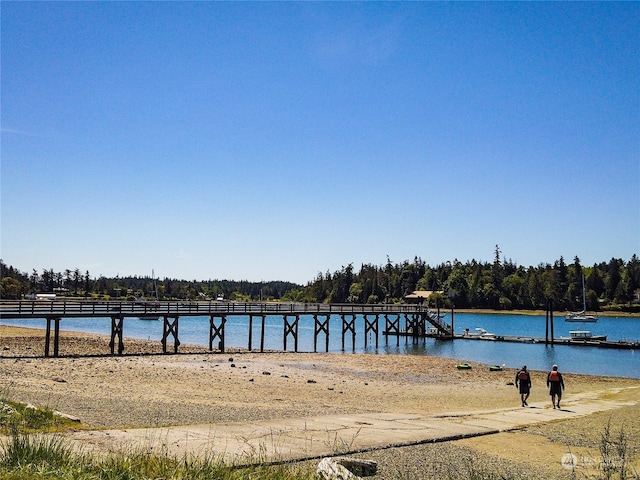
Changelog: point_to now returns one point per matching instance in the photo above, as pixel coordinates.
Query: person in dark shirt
(556, 386)
(523, 383)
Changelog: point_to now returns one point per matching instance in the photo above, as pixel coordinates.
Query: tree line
(74, 283)
(498, 285)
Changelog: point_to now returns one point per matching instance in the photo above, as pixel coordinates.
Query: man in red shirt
(556, 386)
(523, 382)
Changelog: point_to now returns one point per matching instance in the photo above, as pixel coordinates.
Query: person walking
(556, 386)
(523, 383)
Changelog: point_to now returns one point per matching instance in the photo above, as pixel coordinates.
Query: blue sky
(273, 141)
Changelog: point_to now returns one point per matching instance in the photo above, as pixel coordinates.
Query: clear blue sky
(273, 141)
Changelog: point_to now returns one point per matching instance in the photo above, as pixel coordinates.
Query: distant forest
(499, 285)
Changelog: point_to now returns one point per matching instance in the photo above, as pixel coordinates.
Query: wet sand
(164, 389)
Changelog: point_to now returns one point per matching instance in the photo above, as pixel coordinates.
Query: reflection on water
(587, 360)
(550, 356)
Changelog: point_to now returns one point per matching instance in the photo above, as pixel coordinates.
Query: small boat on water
(432, 332)
(480, 334)
(584, 336)
(582, 316)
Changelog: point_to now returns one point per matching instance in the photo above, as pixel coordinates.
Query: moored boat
(585, 335)
(582, 316)
(481, 334)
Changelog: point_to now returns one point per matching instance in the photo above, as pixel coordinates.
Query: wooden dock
(396, 317)
(411, 321)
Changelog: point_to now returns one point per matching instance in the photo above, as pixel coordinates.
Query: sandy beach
(147, 388)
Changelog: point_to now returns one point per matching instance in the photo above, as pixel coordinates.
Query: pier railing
(17, 309)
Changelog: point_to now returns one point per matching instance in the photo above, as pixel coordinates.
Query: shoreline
(76, 343)
(557, 314)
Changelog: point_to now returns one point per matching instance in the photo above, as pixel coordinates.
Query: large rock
(364, 468)
(346, 468)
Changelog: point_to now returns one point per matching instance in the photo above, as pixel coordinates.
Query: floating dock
(621, 344)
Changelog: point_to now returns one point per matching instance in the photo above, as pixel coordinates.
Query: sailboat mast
(584, 296)
(155, 286)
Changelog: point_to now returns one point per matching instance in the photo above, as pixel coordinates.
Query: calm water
(587, 360)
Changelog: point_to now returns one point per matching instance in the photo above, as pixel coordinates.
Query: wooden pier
(396, 318)
(411, 321)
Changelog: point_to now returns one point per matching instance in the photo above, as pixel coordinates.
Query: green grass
(38, 456)
(18, 416)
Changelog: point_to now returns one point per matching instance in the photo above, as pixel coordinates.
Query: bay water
(537, 356)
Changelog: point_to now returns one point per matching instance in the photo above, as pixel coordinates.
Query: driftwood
(346, 468)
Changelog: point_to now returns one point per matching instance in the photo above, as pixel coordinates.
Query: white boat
(432, 332)
(585, 335)
(484, 335)
(582, 316)
(152, 305)
(481, 334)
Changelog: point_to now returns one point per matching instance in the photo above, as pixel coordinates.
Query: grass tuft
(46, 456)
(23, 450)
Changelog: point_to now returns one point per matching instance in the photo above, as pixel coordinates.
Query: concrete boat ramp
(287, 439)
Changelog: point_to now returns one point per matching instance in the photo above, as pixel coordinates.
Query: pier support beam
(117, 325)
(170, 329)
(217, 331)
(392, 327)
(291, 328)
(262, 333)
(370, 326)
(453, 334)
(56, 336)
(349, 326)
(262, 320)
(549, 322)
(414, 325)
(320, 326)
